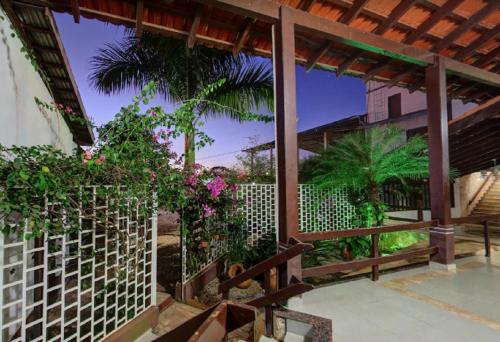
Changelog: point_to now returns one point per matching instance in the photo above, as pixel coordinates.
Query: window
(394, 106)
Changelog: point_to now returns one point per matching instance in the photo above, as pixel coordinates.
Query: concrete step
(489, 206)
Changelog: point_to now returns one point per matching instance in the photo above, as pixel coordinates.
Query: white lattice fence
(323, 209)
(258, 205)
(319, 210)
(83, 285)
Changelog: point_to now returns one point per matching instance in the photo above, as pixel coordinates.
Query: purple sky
(322, 97)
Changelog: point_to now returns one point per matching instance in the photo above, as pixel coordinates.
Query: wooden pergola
(449, 48)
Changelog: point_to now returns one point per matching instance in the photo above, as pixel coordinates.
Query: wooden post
(487, 244)
(270, 286)
(439, 165)
(286, 138)
(420, 210)
(375, 253)
(325, 140)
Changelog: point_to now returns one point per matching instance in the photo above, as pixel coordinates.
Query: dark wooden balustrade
(268, 268)
(484, 220)
(375, 260)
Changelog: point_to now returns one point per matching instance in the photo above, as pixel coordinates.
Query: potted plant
(236, 255)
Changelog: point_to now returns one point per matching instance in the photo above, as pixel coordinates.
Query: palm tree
(365, 160)
(182, 74)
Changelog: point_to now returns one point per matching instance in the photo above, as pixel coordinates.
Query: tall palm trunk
(189, 149)
(189, 136)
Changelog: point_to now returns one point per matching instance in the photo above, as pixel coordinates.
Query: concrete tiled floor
(415, 305)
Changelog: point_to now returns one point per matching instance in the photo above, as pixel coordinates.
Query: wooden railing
(484, 220)
(375, 259)
(268, 267)
(213, 324)
(480, 190)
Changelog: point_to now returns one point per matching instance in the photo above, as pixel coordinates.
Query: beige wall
(376, 102)
(21, 121)
(469, 185)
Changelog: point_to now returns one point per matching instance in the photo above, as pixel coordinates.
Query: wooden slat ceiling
(466, 30)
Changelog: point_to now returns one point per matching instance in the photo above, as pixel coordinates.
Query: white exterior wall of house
(377, 104)
(413, 115)
(21, 121)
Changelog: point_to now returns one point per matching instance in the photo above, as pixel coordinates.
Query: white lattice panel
(258, 204)
(319, 210)
(69, 287)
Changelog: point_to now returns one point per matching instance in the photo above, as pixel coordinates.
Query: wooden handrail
(475, 219)
(365, 231)
(276, 260)
(357, 264)
(486, 180)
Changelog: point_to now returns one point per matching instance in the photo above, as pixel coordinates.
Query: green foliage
(133, 152)
(256, 166)
(369, 214)
(209, 214)
(392, 242)
(323, 250)
(182, 74)
(241, 252)
(307, 167)
(363, 161)
(359, 246)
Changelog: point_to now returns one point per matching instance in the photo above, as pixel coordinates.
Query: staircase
(490, 203)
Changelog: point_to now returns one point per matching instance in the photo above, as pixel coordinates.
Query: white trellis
(319, 210)
(80, 286)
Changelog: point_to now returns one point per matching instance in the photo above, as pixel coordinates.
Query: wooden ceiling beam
(75, 10)
(462, 90)
(399, 77)
(439, 14)
(194, 27)
(477, 96)
(306, 5)
(347, 18)
(489, 57)
(375, 70)
(243, 36)
(139, 14)
(396, 14)
(392, 19)
(345, 65)
(476, 44)
(491, 7)
(351, 14)
(311, 62)
(417, 85)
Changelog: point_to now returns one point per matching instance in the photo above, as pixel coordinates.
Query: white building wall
(21, 121)
(377, 100)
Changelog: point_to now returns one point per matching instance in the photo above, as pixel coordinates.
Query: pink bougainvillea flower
(87, 155)
(192, 180)
(101, 159)
(207, 210)
(216, 186)
(197, 166)
(153, 175)
(153, 113)
(60, 106)
(234, 187)
(68, 109)
(241, 175)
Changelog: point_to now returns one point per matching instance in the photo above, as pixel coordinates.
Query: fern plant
(363, 161)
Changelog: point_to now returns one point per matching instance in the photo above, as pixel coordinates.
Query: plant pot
(347, 254)
(236, 269)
